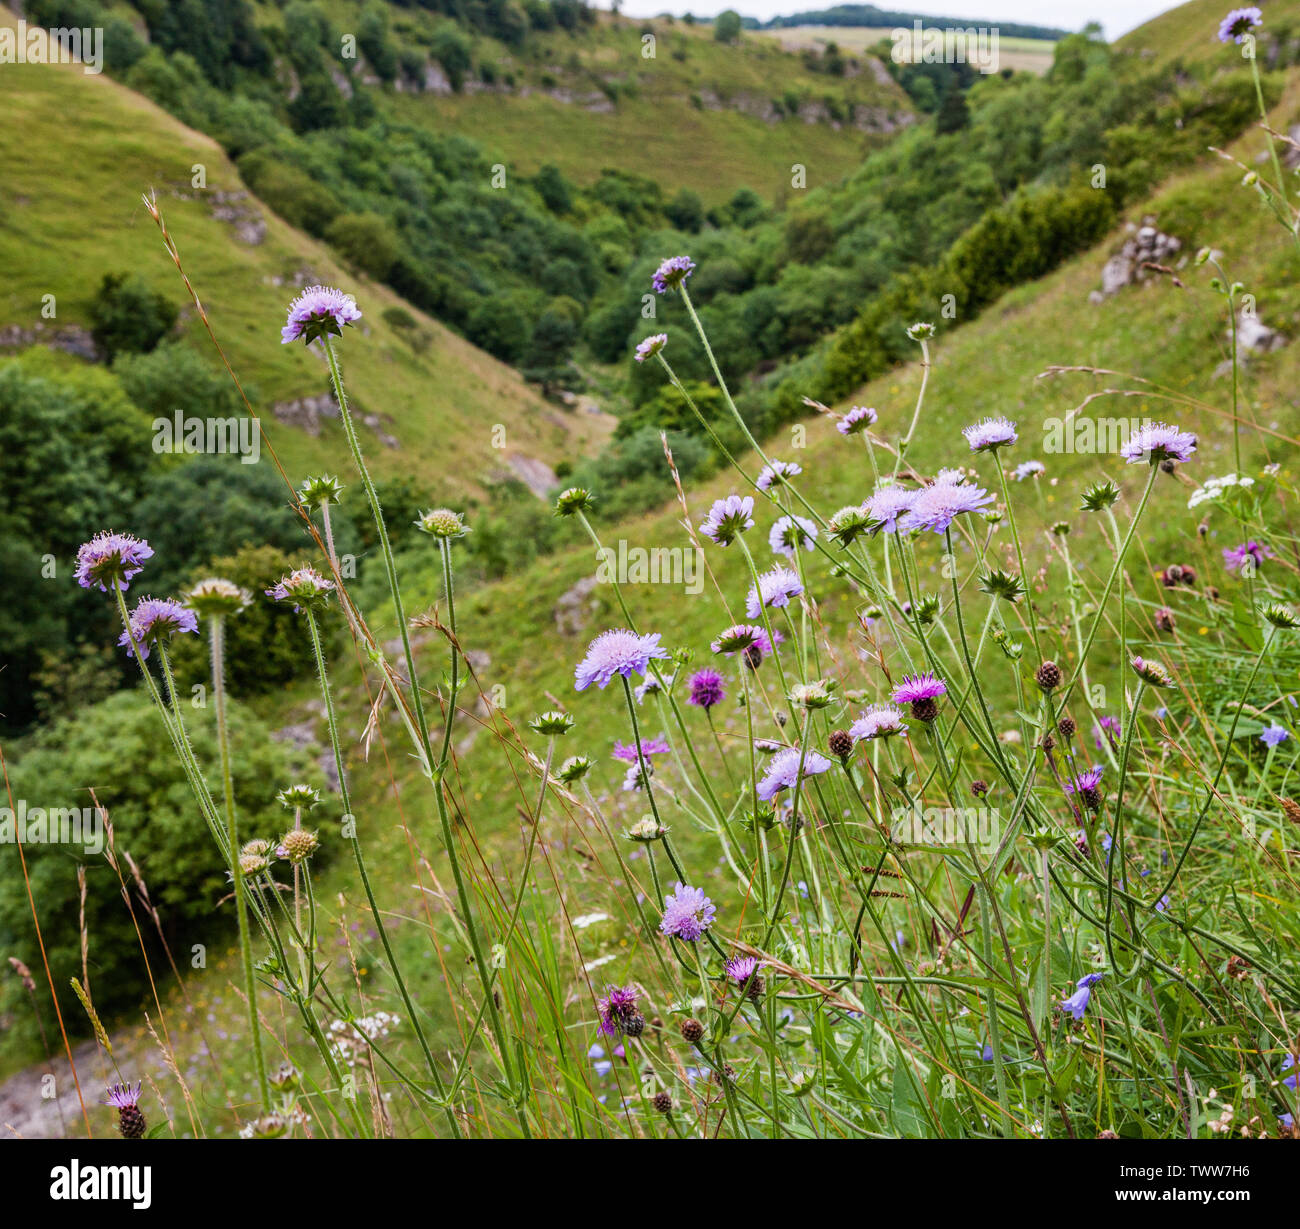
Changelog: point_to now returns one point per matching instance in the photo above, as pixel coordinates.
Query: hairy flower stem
(217, 639)
(920, 401)
(1117, 836)
(1020, 558)
(331, 720)
(421, 720)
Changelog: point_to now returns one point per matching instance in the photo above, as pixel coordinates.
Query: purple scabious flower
(1248, 557)
(155, 619)
(649, 746)
(672, 273)
(728, 519)
(306, 588)
(688, 913)
(635, 777)
(936, 507)
(1077, 1003)
(990, 434)
(879, 721)
(1273, 735)
(320, 311)
(615, 1009)
(790, 533)
(775, 588)
(1028, 469)
(740, 637)
(783, 770)
(648, 347)
(109, 561)
(1238, 24)
(857, 420)
(1155, 442)
(887, 505)
(914, 687)
(741, 969)
(707, 689)
(618, 651)
(774, 473)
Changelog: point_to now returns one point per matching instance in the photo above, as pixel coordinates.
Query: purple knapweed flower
(615, 1009)
(688, 913)
(1248, 557)
(109, 561)
(649, 746)
(742, 969)
(935, 507)
(618, 651)
(1077, 1003)
(123, 1096)
(1084, 781)
(728, 519)
(635, 777)
(648, 347)
(887, 505)
(126, 1100)
(1273, 735)
(774, 473)
(1155, 442)
(990, 434)
(857, 420)
(790, 533)
(672, 273)
(914, 687)
(1238, 24)
(320, 311)
(879, 721)
(707, 689)
(775, 588)
(783, 770)
(155, 619)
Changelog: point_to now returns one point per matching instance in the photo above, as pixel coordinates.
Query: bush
(366, 242)
(128, 316)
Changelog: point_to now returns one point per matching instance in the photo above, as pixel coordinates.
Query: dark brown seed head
(692, 1031)
(1164, 618)
(925, 709)
(1048, 676)
(1189, 574)
(634, 1025)
(1066, 727)
(663, 1102)
(1172, 575)
(979, 788)
(1049, 743)
(130, 1122)
(753, 656)
(1091, 799)
(840, 744)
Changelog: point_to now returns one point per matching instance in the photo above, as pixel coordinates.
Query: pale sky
(1116, 16)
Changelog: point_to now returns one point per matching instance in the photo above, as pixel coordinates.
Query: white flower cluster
(1215, 487)
(347, 1039)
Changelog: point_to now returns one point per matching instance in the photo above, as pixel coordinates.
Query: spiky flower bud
(298, 844)
(1151, 672)
(551, 723)
(647, 828)
(840, 744)
(1280, 616)
(298, 797)
(634, 1025)
(1066, 727)
(252, 863)
(1100, 496)
(1005, 585)
(663, 1102)
(848, 524)
(442, 523)
(576, 499)
(574, 769)
(215, 598)
(320, 490)
(920, 331)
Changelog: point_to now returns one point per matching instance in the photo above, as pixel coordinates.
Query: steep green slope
(1187, 33)
(432, 393)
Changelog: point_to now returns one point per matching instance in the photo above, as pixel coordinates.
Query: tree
(726, 26)
(129, 316)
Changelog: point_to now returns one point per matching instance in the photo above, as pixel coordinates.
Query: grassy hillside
(1179, 34)
(661, 97)
(1173, 335)
(1032, 55)
(59, 234)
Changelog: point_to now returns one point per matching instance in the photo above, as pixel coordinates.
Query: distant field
(1023, 54)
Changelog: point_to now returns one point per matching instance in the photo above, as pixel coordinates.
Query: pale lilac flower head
(775, 473)
(635, 777)
(110, 560)
(320, 311)
(1028, 469)
(1248, 557)
(123, 1096)
(1155, 442)
(857, 420)
(620, 652)
(775, 588)
(990, 434)
(879, 721)
(916, 687)
(1238, 24)
(936, 507)
(648, 347)
(790, 533)
(1077, 1003)
(783, 770)
(887, 505)
(306, 588)
(616, 1008)
(741, 969)
(1273, 735)
(728, 519)
(707, 689)
(155, 619)
(688, 913)
(649, 746)
(741, 637)
(672, 273)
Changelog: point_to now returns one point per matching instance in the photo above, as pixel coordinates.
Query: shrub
(128, 316)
